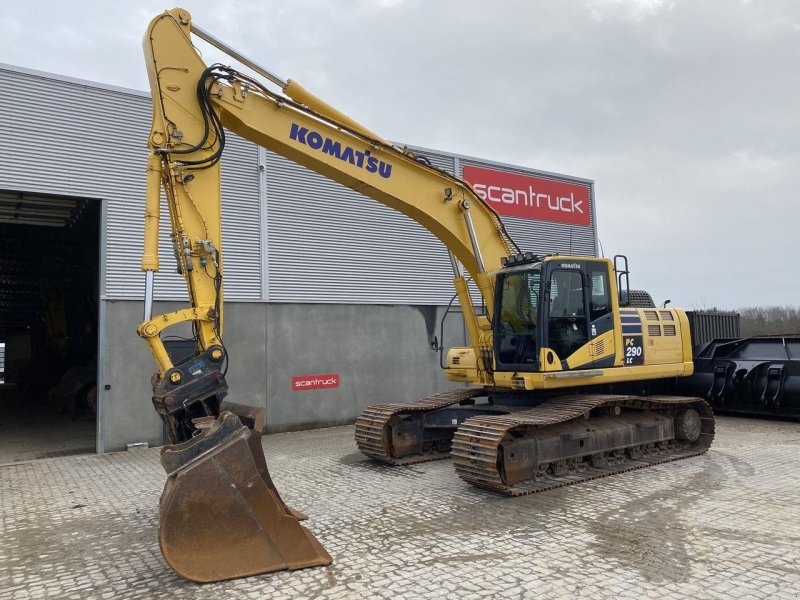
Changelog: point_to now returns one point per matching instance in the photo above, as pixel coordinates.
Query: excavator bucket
(220, 514)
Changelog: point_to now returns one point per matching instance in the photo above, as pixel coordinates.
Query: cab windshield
(515, 333)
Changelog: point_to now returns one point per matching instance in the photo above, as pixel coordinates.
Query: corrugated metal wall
(710, 325)
(325, 242)
(352, 249)
(328, 243)
(65, 137)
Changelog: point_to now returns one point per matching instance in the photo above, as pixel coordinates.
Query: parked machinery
(556, 362)
(757, 376)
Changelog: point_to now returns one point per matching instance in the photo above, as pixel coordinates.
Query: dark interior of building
(49, 294)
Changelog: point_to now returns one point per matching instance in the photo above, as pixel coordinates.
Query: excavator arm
(221, 516)
(194, 104)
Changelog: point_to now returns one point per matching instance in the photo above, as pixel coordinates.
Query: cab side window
(516, 337)
(600, 298)
(518, 311)
(567, 327)
(566, 294)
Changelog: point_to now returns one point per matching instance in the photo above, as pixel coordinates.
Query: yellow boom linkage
(557, 339)
(221, 516)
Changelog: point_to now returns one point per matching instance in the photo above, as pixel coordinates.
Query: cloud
(684, 112)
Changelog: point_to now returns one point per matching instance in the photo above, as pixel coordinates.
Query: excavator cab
(559, 304)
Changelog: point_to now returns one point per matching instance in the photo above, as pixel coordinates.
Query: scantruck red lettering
(530, 197)
(315, 382)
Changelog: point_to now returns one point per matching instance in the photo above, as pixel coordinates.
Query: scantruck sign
(530, 197)
(315, 382)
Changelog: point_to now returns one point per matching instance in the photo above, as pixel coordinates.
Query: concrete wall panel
(381, 353)
(127, 408)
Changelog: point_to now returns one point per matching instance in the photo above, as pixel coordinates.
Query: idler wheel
(687, 425)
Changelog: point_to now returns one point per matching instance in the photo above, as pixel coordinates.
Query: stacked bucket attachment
(516, 449)
(220, 514)
(758, 375)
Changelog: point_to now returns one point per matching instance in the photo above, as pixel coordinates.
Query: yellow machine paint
(665, 350)
(215, 463)
(290, 127)
(184, 164)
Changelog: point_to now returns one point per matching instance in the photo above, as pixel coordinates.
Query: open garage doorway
(49, 296)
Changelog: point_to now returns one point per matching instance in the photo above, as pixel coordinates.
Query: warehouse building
(333, 301)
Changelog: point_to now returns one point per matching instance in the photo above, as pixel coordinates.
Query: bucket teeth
(221, 516)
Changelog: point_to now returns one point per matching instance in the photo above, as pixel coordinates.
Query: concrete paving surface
(30, 430)
(724, 525)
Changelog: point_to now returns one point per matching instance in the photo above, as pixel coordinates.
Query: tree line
(769, 320)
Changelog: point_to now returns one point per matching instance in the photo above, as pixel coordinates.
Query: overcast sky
(686, 113)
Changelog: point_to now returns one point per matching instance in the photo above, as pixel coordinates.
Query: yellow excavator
(562, 364)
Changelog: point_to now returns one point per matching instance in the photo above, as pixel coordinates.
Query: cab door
(516, 346)
(601, 315)
(567, 315)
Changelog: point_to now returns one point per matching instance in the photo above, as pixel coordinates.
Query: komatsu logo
(362, 160)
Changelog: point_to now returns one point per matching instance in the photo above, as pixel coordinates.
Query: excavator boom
(221, 516)
(560, 355)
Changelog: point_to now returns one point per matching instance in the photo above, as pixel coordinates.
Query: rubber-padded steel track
(372, 431)
(477, 442)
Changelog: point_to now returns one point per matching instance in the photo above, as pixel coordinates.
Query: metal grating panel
(67, 138)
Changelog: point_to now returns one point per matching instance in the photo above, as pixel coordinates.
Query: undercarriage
(514, 445)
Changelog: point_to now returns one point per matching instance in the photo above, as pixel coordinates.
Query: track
(372, 427)
(477, 449)
(479, 442)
